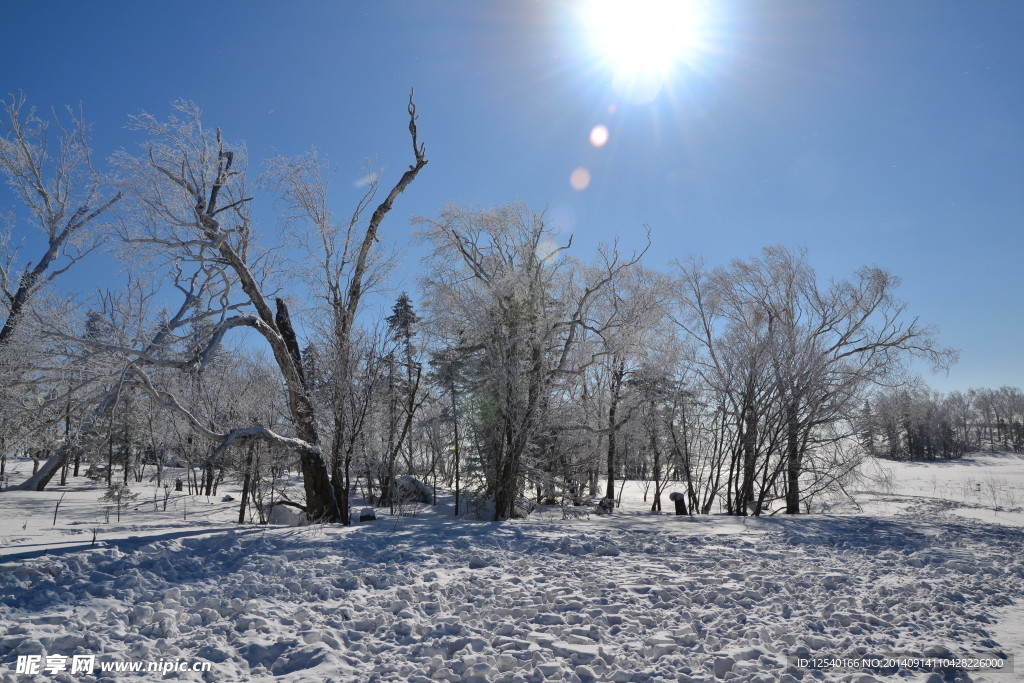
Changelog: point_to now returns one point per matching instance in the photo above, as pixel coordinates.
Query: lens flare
(546, 249)
(580, 179)
(562, 218)
(598, 136)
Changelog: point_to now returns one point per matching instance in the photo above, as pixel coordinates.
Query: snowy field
(924, 561)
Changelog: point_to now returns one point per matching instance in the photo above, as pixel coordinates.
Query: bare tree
(119, 346)
(345, 269)
(191, 213)
(806, 356)
(61, 192)
(47, 166)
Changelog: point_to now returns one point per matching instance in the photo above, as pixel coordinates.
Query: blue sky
(883, 133)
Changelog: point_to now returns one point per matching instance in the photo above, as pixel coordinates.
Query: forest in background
(519, 372)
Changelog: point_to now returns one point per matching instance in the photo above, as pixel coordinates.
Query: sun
(643, 40)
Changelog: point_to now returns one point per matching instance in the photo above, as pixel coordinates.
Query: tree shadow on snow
(125, 545)
(874, 535)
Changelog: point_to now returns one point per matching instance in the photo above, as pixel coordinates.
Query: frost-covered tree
(502, 291)
(915, 423)
(794, 359)
(48, 168)
(54, 191)
(344, 265)
(189, 205)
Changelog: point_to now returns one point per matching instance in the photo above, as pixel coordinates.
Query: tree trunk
(246, 482)
(794, 460)
(110, 448)
(687, 464)
(656, 466)
(507, 466)
(749, 458)
(208, 479)
(340, 478)
(617, 374)
(321, 504)
(455, 425)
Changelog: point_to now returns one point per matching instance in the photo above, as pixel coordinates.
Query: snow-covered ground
(926, 561)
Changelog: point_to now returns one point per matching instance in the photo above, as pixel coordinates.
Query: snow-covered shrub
(523, 508)
(409, 489)
(96, 472)
(478, 507)
(284, 515)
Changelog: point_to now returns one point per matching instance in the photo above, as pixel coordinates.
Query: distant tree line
(915, 423)
(519, 373)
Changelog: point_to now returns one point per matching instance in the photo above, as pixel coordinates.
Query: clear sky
(883, 133)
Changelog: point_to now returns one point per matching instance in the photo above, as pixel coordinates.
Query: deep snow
(927, 562)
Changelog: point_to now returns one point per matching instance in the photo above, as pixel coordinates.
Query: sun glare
(643, 39)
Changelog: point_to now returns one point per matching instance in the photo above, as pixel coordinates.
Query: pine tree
(401, 395)
(401, 327)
